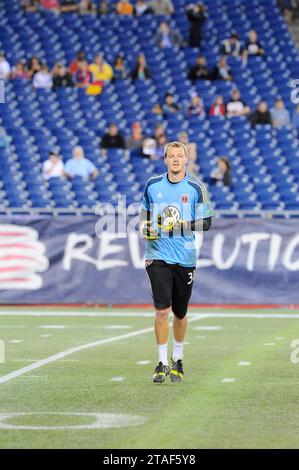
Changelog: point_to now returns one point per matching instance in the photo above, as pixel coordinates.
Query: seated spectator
(50, 5)
(149, 148)
(135, 141)
(196, 17)
(192, 167)
(236, 106)
(4, 139)
(30, 6)
(34, 66)
(160, 147)
(161, 7)
(218, 107)
(43, 79)
(295, 117)
(222, 71)
(222, 173)
(61, 77)
(169, 106)
(141, 8)
(119, 69)
(232, 46)
(159, 130)
(112, 139)
(4, 67)
(253, 47)
(53, 167)
(101, 70)
(19, 71)
(157, 109)
(80, 166)
(200, 70)
(68, 6)
(103, 7)
(166, 38)
(140, 71)
(124, 7)
(86, 7)
(82, 77)
(261, 115)
(196, 106)
(76, 64)
(280, 115)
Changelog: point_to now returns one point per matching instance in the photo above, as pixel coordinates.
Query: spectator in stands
(196, 17)
(82, 77)
(160, 147)
(253, 47)
(159, 130)
(119, 70)
(261, 115)
(280, 115)
(135, 141)
(236, 106)
(76, 64)
(192, 167)
(166, 38)
(157, 109)
(140, 71)
(19, 71)
(4, 139)
(218, 107)
(101, 70)
(232, 46)
(113, 139)
(43, 79)
(295, 117)
(149, 148)
(103, 7)
(222, 173)
(68, 6)
(61, 77)
(34, 66)
(196, 106)
(170, 106)
(51, 5)
(30, 6)
(53, 167)
(199, 71)
(86, 7)
(286, 7)
(124, 7)
(80, 166)
(222, 71)
(4, 67)
(161, 7)
(141, 8)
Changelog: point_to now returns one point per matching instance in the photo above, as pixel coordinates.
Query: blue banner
(74, 260)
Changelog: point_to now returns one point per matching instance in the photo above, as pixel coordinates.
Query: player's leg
(161, 284)
(182, 289)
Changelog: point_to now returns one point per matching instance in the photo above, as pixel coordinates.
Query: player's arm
(146, 222)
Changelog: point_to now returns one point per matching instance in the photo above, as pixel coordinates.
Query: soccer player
(175, 206)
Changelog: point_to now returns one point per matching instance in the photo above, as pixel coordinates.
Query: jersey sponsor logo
(184, 198)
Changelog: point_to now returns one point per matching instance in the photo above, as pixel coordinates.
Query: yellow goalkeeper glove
(149, 232)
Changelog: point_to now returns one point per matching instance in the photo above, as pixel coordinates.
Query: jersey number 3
(191, 277)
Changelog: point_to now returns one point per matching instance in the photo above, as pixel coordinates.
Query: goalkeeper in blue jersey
(175, 206)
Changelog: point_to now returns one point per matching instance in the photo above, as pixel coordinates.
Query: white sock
(162, 351)
(178, 350)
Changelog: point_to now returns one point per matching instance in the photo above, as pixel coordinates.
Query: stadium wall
(74, 260)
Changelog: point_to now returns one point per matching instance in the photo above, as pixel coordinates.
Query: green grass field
(259, 409)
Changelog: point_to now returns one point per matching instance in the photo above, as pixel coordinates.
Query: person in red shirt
(77, 63)
(218, 107)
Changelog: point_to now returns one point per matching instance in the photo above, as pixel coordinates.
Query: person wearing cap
(232, 46)
(4, 67)
(53, 167)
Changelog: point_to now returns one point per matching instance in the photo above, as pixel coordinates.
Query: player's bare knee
(163, 312)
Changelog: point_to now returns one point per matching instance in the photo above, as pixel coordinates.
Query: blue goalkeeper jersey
(186, 200)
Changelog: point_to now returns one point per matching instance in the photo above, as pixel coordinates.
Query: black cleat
(160, 374)
(177, 371)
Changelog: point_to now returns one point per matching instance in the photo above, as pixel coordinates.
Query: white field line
(41, 313)
(68, 352)
(228, 380)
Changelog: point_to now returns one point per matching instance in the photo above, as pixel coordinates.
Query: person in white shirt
(43, 79)
(53, 167)
(161, 7)
(236, 106)
(4, 67)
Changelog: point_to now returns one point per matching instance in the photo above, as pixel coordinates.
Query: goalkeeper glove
(149, 232)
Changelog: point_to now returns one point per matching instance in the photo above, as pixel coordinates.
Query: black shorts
(171, 285)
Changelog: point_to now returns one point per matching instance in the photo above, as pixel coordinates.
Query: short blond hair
(176, 144)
